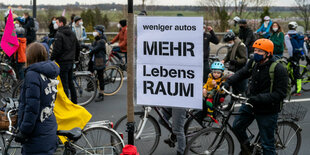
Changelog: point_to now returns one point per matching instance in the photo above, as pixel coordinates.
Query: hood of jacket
(47, 68)
(65, 30)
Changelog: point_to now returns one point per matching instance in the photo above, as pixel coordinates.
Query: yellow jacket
(209, 86)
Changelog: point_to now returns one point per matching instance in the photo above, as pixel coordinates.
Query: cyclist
(79, 29)
(264, 30)
(36, 120)
(237, 58)
(215, 79)
(277, 37)
(297, 49)
(20, 54)
(246, 35)
(208, 36)
(122, 40)
(98, 52)
(266, 101)
(235, 29)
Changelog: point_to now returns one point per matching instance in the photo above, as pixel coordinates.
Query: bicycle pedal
(169, 142)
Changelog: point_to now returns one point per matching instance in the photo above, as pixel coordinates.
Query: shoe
(179, 153)
(99, 98)
(296, 94)
(171, 140)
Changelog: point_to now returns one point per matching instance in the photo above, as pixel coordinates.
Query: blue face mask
(54, 21)
(258, 58)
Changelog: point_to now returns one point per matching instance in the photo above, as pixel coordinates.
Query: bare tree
(303, 11)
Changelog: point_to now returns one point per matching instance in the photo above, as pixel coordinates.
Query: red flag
(9, 41)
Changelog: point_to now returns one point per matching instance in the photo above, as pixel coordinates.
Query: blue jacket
(264, 29)
(36, 118)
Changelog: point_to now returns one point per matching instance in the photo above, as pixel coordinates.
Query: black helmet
(242, 21)
(76, 18)
(229, 36)
(99, 28)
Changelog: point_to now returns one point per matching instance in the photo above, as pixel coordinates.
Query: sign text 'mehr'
(167, 48)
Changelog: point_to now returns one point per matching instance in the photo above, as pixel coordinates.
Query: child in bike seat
(215, 79)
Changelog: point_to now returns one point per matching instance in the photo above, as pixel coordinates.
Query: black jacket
(246, 35)
(207, 38)
(29, 27)
(52, 31)
(66, 46)
(259, 87)
(99, 50)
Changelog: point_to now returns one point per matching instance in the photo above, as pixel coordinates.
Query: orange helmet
(264, 44)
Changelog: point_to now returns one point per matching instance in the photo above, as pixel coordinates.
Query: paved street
(114, 107)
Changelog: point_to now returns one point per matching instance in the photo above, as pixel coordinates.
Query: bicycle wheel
(17, 89)
(211, 141)
(305, 78)
(147, 142)
(222, 52)
(86, 89)
(8, 145)
(113, 80)
(288, 138)
(7, 81)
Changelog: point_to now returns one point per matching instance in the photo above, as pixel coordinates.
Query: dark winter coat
(52, 31)
(29, 27)
(259, 87)
(247, 37)
(207, 38)
(99, 52)
(66, 47)
(236, 56)
(36, 118)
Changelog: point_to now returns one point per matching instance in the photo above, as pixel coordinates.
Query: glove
(226, 85)
(233, 62)
(263, 33)
(20, 138)
(253, 100)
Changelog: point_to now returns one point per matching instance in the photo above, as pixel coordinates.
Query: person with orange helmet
(265, 95)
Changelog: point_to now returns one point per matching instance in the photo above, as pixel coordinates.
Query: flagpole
(130, 75)
(34, 9)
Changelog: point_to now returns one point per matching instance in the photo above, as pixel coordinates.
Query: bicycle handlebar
(237, 96)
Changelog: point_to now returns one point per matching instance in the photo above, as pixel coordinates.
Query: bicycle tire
(113, 80)
(9, 145)
(283, 143)
(17, 89)
(201, 147)
(305, 78)
(149, 139)
(222, 52)
(7, 81)
(86, 89)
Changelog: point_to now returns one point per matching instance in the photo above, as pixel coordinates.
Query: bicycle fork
(143, 122)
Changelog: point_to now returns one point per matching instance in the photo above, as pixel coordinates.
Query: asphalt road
(114, 107)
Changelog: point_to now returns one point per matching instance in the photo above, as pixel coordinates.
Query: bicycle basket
(293, 111)
(4, 121)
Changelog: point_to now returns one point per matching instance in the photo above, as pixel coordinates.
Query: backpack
(36, 25)
(297, 41)
(271, 75)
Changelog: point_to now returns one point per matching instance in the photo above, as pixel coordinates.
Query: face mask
(230, 45)
(55, 26)
(81, 23)
(275, 29)
(241, 27)
(119, 26)
(258, 57)
(16, 25)
(97, 38)
(95, 34)
(54, 22)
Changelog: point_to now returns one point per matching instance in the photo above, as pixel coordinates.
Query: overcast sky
(156, 2)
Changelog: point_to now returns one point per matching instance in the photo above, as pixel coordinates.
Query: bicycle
(222, 52)
(219, 140)
(8, 77)
(86, 140)
(148, 132)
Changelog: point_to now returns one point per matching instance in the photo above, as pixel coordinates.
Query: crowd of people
(247, 57)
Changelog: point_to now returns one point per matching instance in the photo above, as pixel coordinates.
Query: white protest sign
(170, 61)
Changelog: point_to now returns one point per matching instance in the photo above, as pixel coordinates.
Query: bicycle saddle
(73, 134)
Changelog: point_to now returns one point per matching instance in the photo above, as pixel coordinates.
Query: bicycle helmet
(99, 28)
(229, 36)
(292, 25)
(217, 66)
(236, 19)
(266, 18)
(264, 44)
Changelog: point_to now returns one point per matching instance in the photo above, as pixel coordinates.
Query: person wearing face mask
(19, 58)
(98, 57)
(53, 28)
(277, 37)
(264, 30)
(246, 35)
(264, 96)
(29, 27)
(122, 41)
(66, 51)
(79, 29)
